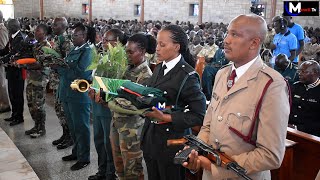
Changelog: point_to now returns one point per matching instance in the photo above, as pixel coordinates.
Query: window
(137, 10)
(193, 9)
(85, 8)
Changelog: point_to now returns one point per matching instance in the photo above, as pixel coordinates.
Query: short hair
(144, 41)
(89, 31)
(122, 38)
(44, 27)
(279, 19)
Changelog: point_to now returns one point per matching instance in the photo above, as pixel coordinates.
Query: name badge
(229, 83)
(296, 96)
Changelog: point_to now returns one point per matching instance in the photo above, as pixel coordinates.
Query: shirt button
(295, 116)
(302, 99)
(167, 129)
(299, 107)
(220, 118)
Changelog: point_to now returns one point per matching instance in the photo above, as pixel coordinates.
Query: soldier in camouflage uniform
(36, 85)
(62, 44)
(126, 129)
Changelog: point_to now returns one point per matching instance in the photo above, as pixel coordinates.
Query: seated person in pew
(306, 99)
(209, 49)
(211, 70)
(286, 68)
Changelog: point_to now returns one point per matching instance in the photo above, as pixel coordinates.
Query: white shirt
(242, 69)
(15, 34)
(171, 64)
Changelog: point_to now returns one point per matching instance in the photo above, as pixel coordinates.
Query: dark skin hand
(96, 97)
(196, 162)
(156, 113)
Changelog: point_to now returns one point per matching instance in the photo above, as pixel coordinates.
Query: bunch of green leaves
(113, 63)
(112, 86)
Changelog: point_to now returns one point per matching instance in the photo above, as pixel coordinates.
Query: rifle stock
(218, 158)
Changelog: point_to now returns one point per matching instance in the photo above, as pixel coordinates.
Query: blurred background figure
(4, 38)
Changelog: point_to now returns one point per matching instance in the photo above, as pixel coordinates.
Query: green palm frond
(113, 63)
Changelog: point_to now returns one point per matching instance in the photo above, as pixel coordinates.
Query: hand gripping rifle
(215, 156)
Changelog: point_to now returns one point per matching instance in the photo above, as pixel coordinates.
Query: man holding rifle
(248, 114)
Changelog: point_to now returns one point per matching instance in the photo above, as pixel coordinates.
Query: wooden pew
(286, 168)
(306, 155)
(200, 64)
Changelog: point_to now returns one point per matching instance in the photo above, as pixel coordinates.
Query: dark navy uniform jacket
(154, 136)
(305, 112)
(290, 73)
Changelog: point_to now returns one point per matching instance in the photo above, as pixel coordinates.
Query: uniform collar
(313, 85)
(77, 47)
(140, 66)
(243, 69)
(170, 65)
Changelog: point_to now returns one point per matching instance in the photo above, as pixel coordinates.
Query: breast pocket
(241, 119)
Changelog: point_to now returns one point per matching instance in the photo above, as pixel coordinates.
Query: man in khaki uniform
(230, 111)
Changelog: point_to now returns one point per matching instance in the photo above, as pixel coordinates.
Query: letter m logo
(295, 9)
(161, 106)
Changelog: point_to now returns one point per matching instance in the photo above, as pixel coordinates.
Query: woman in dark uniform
(169, 76)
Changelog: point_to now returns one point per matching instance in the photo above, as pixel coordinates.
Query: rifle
(217, 157)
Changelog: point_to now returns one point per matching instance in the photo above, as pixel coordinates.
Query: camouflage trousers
(36, 97)
(125, 140)
(59, 110)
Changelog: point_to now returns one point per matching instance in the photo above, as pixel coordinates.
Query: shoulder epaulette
(273, 74)
(187, 68)
(296, 82)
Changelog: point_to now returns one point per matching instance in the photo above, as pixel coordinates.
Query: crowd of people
(237, 69)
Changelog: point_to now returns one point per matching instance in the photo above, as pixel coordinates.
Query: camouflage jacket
(39, 77)
(139, 74)
(62, 44)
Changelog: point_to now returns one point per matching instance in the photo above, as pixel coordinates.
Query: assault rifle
(215, 156)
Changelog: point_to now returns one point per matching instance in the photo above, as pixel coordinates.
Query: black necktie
(161, 73)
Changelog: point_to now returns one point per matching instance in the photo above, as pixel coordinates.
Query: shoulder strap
(248, 138)
(181, 86)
